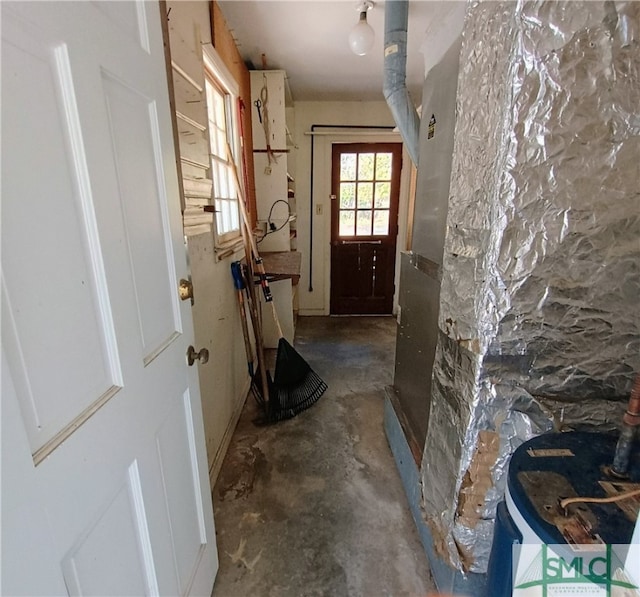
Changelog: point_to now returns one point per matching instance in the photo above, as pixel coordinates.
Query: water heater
(565, 468)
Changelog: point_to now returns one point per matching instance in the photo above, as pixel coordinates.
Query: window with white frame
(222, 99)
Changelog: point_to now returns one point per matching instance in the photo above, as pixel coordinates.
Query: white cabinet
(275, 208)
(270, 157)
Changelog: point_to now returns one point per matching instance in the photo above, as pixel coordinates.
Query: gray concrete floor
(314, 505)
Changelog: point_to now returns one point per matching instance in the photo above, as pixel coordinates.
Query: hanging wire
(270, 225)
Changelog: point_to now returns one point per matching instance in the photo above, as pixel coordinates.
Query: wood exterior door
(365, 190)
(105, 488)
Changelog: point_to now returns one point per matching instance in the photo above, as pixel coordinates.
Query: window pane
(224, 182)
(212, 139)
(235, 216)
(383, 166)
(221, 126)
(365, 195)
(348, 166)
(210, 95)
(220, 215)
(364, 223)
(383, 194)
(219, 109)
(381, 221)
(219, 227)
(222, 144)
(347, 223)
(231, 189)
(226, 215)
(215, 176)
(228, 106)
(365, 166)
(347, 195)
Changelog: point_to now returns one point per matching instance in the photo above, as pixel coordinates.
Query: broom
(295, 385)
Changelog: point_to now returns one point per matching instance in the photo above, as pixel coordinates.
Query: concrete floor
(315, 505)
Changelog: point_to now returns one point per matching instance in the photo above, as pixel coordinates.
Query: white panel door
(104, 473)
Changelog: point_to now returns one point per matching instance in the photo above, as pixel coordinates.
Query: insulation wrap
(539, 319)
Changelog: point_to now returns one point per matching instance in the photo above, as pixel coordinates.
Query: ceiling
(308, 39)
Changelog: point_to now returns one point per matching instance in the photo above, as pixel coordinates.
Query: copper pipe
(630, 424)
(632, 416)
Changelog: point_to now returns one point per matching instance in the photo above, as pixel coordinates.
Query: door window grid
(365, 194)
(222, 130)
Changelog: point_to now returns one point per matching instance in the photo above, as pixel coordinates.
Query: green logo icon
(571, 570)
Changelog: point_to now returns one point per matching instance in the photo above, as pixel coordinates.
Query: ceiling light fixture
(361, 36)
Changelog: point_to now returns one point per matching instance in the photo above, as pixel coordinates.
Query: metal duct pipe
(396, 20)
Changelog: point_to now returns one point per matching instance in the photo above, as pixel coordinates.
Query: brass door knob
(185, 290)
(202, 356)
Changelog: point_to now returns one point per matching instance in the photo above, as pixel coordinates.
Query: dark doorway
(365, 189)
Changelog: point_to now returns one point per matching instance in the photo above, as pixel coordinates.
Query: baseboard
(312, 312)
(447, 579)
(216, 465)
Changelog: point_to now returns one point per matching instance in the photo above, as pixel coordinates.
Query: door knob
(185, 290)
(202, 356)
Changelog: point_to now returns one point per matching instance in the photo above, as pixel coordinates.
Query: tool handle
(245, 333)
(245, 219)
(250, 244)
(264, 282)
(276, 319)
(238, 278)
(268, 297)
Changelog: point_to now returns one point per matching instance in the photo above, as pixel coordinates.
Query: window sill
(228, 248)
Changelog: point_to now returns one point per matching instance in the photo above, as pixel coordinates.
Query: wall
(337, 113)
(224, 379)
(538, 325)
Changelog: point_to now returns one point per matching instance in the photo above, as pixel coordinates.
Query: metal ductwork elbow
(396, 20)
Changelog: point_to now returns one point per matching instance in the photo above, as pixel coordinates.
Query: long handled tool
(241, 287)
(263, 393)
(295, 385)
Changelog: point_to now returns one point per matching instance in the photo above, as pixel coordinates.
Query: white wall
(224, 379)
(305, 115)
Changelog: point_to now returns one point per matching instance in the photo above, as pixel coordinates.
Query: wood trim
(172, 97)
(190, 121)
(200, 165)
(200, 188)
(197, 195)
(186, 76)
(228, 52)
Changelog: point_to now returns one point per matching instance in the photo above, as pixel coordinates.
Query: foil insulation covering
(539, 318)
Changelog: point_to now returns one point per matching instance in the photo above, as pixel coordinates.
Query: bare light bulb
(361, 36)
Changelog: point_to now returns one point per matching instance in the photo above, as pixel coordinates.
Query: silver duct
(396, 19)
(538, 314)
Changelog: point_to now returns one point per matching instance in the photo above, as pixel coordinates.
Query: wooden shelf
(281, 265)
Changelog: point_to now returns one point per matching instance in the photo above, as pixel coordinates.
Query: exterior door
(365, 189)
(104, 473)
